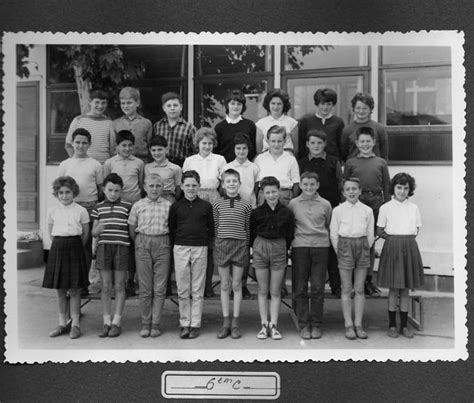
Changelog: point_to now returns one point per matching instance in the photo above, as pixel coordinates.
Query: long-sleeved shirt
(352, 221)
(348, 139)
(272, 224)
(232, 218)
(191, 223)
(226, 132)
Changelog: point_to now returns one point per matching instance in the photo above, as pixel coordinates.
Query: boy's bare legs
(346, 289)
(224, 274)
(119, 286)
(237, 288)
(276, 280)
(359, 298)
(263, 277)
(106, 295)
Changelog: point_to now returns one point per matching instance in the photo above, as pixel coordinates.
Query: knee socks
(392, 319)
(403, 319)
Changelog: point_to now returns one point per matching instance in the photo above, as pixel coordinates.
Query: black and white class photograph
(285, 197)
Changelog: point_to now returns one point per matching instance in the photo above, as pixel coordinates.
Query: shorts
(112, 257)
(353, 253)
(231, 252)
(270, 254)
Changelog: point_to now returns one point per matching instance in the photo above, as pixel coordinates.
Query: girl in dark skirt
(66, 269)
(400, 267)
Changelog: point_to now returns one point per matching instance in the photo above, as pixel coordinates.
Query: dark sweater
(191, 222)
(332, 127)
(349, 148)
(225, 138)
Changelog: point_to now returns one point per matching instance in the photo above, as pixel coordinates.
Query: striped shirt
(232, 218)
(141, 129)
(114, 215)
(150, 217)
(179, 138)
(102, 142)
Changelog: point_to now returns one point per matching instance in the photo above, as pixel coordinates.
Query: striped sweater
(232, 218)
(115, 217)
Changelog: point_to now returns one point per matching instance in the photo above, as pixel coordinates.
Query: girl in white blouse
(400, 267)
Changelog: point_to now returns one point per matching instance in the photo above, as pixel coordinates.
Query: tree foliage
(22, 53)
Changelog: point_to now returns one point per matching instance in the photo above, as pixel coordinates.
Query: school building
(411, 86)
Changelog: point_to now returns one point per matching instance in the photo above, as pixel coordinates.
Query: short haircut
(316, 133)
(309, 175)
(277, 93)
(65, 181)
(269, 181)
(158, 141)
(242, 138)
(236, 95)
(123, 135)
(114, 179)
(365, 130)
(153, 177)
(205, 132)
(191, 174)
(351, 179)
(275, 129)
(130, 92)
(99, 94)
(364, 98)
(325, 95)
(170, 95)
(81, 132)
(403, 178)
(230, 172)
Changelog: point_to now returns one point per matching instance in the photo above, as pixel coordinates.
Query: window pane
(301, 91)
(151, 100)
(64, 107)
(420, 147)
(212, 109)
(415, 54)
(160, 61)
(418, 96)
(215, 59)
(324, 56)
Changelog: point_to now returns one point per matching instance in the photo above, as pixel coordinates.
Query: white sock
(62, 319)
(117, 320)
(107, 320)
(75, 320)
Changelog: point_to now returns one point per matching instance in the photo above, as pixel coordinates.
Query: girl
(400, 265)
(277, 103)
(66, 270)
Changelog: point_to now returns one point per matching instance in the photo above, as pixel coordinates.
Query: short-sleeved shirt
(102, 141)
(179, 137)
(150, 217)
(169, 172)
(141, 129)
(208, 168)
(352, 221)
(399, 218)
(284, 168)
(88, 174)
(248, 177)
(67, 220)
(115, 217)
(131, 170)
(312, 218)
(285, 121)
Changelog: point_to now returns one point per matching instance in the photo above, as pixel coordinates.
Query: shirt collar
(277, 207)
(323, 156)
(270, 117)
(324, 118)
(119, 157)
(314, 197)
(113, 203)
(163, 164)
(231, 198)
(359, 155)
(246, 163)
(199, 156)
(233, 121)
(148, 200)
(137, 116)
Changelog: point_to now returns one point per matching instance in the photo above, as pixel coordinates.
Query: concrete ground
(37, 315)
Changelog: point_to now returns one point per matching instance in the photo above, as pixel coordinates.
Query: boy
(235, 106)
(231, 250)
(279, 163)
(148, 228)
(325, 99)
(271, 232)
(110, 225)
(131, 120)
(329, 173)
(169, 172)
(372, 172)
(131, 170)
(98, 125)
(89, 176)
(177, 132)
(191, 227)
(352, 235)
(309, 254)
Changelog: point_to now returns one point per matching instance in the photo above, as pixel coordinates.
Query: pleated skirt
(66, 267)
(400, 263)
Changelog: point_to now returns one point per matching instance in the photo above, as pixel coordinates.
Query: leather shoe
(236, 333)
(155, 331)
(193, 333)
(305, 333)
(392, 332)
(114, 331)
(223, 332)
(184, 333)
(75, 332)
(145, 331)
(105, 331)
(406, 332)
(316, 332)
(350, 333)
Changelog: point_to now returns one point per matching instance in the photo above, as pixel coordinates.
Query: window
(221, 69)
(415, 102)
(307, 68)
(165, 70)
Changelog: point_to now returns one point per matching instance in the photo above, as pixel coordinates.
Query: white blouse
(399, 218)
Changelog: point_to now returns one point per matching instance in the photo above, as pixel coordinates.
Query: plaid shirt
(150, 217)
(179, 138)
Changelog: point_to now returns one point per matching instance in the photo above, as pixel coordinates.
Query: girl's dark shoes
(406, 332)
(223, 332)
(115, 331)
(75, 332)
(58, 331)
(105, 331)
(392, 332)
